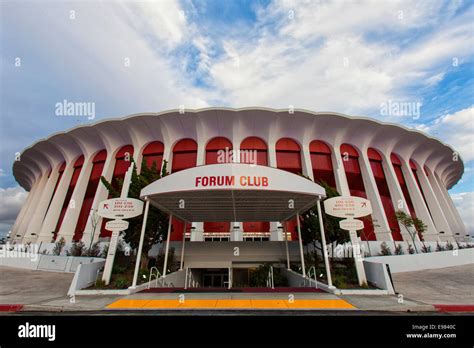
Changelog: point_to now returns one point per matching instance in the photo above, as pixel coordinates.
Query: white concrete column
(25, 210)
(52, 216)
(68, 227)
(381, 226)
(236, 231)
(275, 234)
(197, 232)
(100, 195)
(462, 227)
(197, 235)
(22, 213)
(446, 208)
(40, 213)
(339, 172)
(33, 207)
(306, 161)
(396, 193)
(437, 214)
(236, 227)
(419, 205)
(272, 159)
(167, 157)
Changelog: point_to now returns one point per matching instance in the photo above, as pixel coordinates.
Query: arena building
(396, 168)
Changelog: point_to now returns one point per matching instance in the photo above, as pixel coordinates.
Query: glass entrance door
(215, 278)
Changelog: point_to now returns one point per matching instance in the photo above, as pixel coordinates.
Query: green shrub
(399, 250)
(121, 283)
(58, 246)
(340, 281)
(118, 269)
(100, 284)
(385, 249)
(76, 249)
(425, 249)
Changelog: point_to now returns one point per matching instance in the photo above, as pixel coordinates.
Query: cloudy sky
(129, 57)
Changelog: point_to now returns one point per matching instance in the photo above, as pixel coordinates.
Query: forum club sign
(231, 181)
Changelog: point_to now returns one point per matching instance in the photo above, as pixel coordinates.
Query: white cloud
(464, 203)
(456, 129)
(341, 56)
(11, 201)
(165, 20)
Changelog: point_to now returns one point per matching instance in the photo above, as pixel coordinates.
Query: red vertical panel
(184, 155)
(386, 199)
(417, 179)
(356, 185)
(321, 163)
(94, 179)
(397, 167)
(153, 152)
(70, 190)
(292, 227)
(258, 149)
(149, 159)
(262, 226)
(177, 229)
(61, 171)
(288, 154)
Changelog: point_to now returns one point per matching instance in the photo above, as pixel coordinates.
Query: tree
(157, 222)
(413, 226)
(95, 219)
(310, 230)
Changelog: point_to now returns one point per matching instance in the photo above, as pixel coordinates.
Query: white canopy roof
(233, 192)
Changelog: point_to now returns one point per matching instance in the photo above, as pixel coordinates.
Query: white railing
(154, 271)
(270, 283)
(189, 280)
(312, 274)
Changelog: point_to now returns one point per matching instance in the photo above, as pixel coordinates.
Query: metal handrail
(189, 279)
(312, 273)
(157, 276)
(270, 282)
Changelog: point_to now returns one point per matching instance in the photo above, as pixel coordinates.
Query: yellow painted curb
(229, 304)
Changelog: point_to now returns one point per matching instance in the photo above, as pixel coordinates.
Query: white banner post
(165, 263)
(300, 240)
(118, 209)
(323, 242)
(140, 245)
(181, 264)
(353, 225)
(351, 207)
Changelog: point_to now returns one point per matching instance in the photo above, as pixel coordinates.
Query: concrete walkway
(452, 285)
(46, 292)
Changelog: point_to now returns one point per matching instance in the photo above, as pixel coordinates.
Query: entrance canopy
(233, 192)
